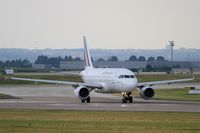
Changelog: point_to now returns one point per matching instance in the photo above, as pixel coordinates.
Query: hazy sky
(106, 23)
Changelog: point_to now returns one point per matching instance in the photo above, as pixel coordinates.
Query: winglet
(87, 58)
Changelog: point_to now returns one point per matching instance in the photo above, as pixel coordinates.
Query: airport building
(41, 66)
(79, 65)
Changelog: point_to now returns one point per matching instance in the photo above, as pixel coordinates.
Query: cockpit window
(126, 76)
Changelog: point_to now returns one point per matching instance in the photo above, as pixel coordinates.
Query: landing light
(123, 93)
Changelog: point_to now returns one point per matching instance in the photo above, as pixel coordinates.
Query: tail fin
(87, 58)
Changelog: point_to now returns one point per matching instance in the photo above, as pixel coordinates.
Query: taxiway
(62, 98)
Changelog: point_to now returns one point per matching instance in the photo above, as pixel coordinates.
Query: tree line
(16, 63)
(135, 58)
(55, 61)
(142, 58)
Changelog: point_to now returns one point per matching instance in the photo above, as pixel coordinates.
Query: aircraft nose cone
(131, 84)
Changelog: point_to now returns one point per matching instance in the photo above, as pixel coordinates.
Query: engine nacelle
(82, 92)
(146, 92)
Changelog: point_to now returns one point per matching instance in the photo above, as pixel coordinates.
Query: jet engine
(146, 92)
(82, 92)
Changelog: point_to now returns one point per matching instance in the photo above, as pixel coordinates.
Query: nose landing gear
(127, 97)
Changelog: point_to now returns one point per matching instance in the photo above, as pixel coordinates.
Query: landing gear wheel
(83, 100)
(127, 97)
(124, 100)
(88, 100)
(130, 99)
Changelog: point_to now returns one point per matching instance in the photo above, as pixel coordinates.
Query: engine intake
(82, 92)
(146, 92)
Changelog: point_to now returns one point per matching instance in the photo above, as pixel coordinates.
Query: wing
(163, 82)
(99, 86)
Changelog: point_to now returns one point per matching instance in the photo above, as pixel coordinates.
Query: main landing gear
(87, 100)
(127, 97)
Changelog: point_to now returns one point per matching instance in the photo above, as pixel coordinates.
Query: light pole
(171, 43)
(190, 64)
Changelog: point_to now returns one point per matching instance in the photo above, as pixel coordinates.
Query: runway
(62, 98)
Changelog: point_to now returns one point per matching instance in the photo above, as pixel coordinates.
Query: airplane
(107, 80)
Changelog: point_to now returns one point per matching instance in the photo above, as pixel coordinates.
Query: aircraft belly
(110, 89)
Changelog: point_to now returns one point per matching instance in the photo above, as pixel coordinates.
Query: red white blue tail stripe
(87, 58)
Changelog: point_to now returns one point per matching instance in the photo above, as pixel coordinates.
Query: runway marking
(124, 105)
(104, 105)
(56, 104)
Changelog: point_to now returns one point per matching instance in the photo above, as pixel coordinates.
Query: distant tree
(113, 58)
(54, 61)
(70, 58)
(16, 64)
(176, 66)
(160, 58)
(7, 63)
(42, 59)
(77, 59)
(100, 59)
(151, 59)
(165, 69)
(26, 64)
(148, 68)
(13, 63)
(1, 64)
(65, 58)
(132, 58)
(60, 58)
(141, 58)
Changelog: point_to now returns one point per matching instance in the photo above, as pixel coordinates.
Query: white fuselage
(112, 79)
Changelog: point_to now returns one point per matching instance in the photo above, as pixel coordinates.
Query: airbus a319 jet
(107, 80)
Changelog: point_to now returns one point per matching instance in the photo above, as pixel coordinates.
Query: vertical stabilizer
(87, 58)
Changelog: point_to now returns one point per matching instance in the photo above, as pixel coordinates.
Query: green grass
(172, 94)
(176, 94)
(5, 96)
(41, 121)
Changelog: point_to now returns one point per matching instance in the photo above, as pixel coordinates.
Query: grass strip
(5, 96)
(12, 120)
